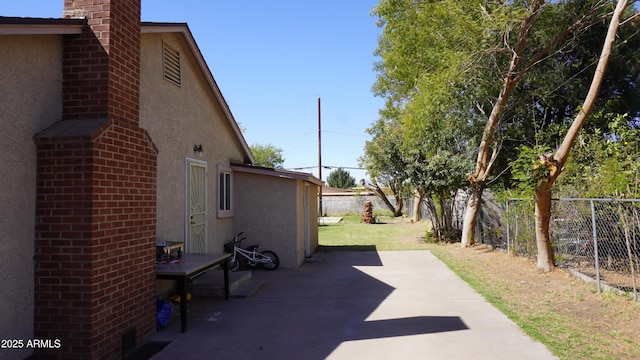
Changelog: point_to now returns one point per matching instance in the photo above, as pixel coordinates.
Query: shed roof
(281, 173)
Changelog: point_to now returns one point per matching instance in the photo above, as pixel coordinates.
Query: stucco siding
(31, 87)
(312, 193)
(267, 213)
(300, 220)
(307, 226)
(177, 118)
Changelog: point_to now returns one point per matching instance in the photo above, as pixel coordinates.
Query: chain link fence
(595, 238)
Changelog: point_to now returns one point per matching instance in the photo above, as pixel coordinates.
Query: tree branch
(562, 154)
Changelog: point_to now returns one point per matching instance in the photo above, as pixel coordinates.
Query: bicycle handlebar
(236, 240)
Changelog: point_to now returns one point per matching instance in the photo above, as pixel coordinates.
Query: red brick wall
(95, 241)
(96, 195)
(100, 66)
(124, 234)
(63, 245)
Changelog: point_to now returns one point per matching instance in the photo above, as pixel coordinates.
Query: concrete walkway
(352, 305)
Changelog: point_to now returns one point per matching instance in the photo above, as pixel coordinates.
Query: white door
(196, 207)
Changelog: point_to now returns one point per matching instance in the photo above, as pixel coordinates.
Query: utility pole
(320, 158)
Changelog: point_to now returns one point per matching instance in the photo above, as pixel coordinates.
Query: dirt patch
(612, 322)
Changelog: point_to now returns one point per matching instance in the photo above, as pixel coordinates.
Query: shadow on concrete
(334, 248)
(410, 326)
(302, 313)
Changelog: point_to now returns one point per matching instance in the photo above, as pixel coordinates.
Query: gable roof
(51, 26)
(183, 29)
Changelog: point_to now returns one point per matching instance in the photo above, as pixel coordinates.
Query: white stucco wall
(177, 118)
(31, 88)
(270, 212)
(267, 213)
(313, 219)
(312, 194)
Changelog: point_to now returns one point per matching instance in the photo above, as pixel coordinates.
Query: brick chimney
(102, 68)
(96, 195)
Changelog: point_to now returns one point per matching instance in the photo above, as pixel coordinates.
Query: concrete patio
(351, 305)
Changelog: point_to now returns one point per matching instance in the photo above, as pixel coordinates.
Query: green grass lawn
(390, 234)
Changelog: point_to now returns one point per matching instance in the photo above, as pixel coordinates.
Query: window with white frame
(225, 191)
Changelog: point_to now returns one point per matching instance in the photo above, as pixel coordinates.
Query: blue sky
(272, 61)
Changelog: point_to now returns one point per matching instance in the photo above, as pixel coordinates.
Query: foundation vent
(128, 341)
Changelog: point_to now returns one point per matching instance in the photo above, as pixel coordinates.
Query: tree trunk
(399, 205)
(556, 163)
(470, 215)
(417, 201)
(484, 162)
(396, 210)
(546, 261)
(627, 239)
(446, 217)
(436, 229)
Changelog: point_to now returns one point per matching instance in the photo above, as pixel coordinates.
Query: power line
(344, 133)
(327, 167)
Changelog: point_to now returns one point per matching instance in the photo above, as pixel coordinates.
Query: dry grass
(562, 312)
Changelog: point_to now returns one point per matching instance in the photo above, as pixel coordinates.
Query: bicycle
(249, 256)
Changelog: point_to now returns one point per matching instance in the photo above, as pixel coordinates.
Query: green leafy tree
(433, 49)
(267, 156)
(603, 164)
(471, 58)
(544, 103)
(385, 163)
(554, 163)
(341, 178)
(541, 30)
(438, 155)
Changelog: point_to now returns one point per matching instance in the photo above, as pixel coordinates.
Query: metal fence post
(614, 249)
(508, 223)
(595, 244)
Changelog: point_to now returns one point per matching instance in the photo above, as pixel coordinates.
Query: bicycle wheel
(272, 262)
(234, 263)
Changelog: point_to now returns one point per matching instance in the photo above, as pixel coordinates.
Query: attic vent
(171, 59)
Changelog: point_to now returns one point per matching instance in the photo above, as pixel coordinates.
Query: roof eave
(285, 174)
(40, 26)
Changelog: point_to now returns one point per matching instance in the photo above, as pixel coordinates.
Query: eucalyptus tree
(414, 62)
(605, 162)
(421, 39)
(538, 30)
(485, 49)
(484, 53)
(551, 164)
(432, 48)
